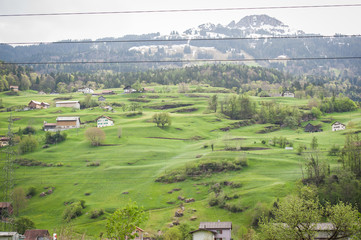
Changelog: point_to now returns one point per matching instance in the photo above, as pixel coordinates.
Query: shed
(101, 99)
(67, 122)
(72, 104)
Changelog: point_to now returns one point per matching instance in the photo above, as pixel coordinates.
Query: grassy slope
(138, 159)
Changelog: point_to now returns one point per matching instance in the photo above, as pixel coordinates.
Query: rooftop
(215, 225)
(67, 118)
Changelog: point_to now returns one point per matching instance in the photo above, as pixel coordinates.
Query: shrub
(31, 191)
(95, 135)
(93, 164)
(72, 211)
(22, 224)
(29, 130)
(96, 213)
(55, 138)
(28, 144)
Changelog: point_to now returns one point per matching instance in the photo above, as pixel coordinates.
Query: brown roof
(35, 233)
(215, 225)
(5, 204)
(49, 124)
(102, 116)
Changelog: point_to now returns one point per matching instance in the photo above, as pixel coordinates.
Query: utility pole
(8, 173)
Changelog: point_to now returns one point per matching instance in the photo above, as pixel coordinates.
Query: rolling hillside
(127, 166)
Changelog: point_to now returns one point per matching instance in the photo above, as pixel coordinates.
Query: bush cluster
(203, 168)
(55, 138)
(96, 213)
(74, 210)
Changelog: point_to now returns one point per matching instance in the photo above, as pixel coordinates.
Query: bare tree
(95, 135)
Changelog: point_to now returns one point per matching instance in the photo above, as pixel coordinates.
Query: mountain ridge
(145, 48)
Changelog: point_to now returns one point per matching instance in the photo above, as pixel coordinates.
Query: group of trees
(237, 107)
(162, 119)
(298, 217)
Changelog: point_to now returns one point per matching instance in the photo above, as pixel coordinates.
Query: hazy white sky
(326, 21)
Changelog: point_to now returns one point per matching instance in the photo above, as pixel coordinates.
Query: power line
(178, 10)
(186, 61)
(182, 39)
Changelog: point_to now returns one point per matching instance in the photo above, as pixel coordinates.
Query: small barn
(14, 88)
(312, 128)
(63, 123)
(38, 105)
(51, 127)
(71, 104)
(108, 92)
(337, 126)
(101, 99)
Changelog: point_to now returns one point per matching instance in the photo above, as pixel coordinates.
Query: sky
(326, 21)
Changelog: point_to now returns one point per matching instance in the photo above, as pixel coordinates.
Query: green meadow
(130, 164)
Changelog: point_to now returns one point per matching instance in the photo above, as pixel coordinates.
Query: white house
(203, 234)
(104, 121)
(72, 104)
(129, 89)
(337, 126)
(288, 94)
(213, 230)
(62, 123)
(86, 90)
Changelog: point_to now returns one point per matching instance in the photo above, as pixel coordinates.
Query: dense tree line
(255, 81)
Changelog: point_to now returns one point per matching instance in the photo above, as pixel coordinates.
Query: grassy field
(129, 165)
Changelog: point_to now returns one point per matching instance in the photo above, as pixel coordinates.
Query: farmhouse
(6, 209)
(67, 122)
(71, 104)
(129, 89)
(86, 90)
(14, 88)
(288, 94)
(37, 234)
(104, 121)
(337, 126)
(108, 92)
(38, 105)
(213, 230)
(311, 128)
(4, 141)
(51, 127)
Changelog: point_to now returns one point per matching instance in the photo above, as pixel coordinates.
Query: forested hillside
(255, 81)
